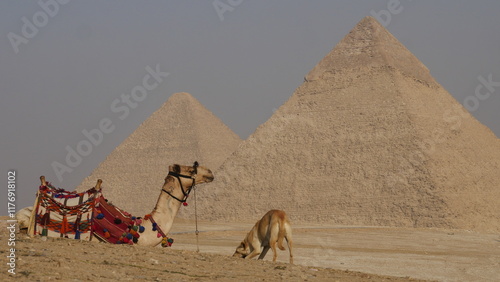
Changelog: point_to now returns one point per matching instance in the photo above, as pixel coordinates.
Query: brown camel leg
(273, 247)
(264, 252)
(289, 243)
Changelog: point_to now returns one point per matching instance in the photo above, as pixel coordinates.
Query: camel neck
(167, 207)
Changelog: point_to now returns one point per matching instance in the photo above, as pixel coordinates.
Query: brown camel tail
(282, 231)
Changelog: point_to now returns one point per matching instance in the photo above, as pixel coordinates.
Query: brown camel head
(242, 250)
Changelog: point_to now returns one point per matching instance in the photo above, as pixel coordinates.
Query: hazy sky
(65, 66)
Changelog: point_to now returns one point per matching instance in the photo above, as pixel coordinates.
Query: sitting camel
(178, 184)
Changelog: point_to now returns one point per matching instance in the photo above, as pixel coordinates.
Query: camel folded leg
(253, 254)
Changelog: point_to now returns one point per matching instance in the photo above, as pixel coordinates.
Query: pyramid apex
(182, 98)
(370, 22)
(370, 44)
(181, 95)
(369, 19)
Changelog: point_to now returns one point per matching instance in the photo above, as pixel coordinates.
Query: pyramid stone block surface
(181, 131)
(370, 138)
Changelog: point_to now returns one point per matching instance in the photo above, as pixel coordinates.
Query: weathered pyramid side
(461, 156)
(181, 131)
(366, 140)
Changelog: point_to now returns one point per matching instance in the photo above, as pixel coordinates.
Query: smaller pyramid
(181, 131)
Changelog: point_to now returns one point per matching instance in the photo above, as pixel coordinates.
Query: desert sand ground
(321, 253)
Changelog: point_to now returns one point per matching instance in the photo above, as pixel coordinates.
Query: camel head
(185, 177)
(200, 174)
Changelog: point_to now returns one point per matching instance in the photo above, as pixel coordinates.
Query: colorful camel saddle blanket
(64, 214)
(60, 213)
(114, 225)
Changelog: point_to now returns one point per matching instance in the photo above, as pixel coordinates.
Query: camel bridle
(183, 201)
(184, 192)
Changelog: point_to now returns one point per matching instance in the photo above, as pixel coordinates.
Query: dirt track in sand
(430, 254)
(321, 253)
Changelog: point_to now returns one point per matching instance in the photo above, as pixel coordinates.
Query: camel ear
(177, 168)
(240, 248)
(195, 167)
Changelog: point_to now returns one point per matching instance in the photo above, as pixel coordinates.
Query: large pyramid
(370, 138)
(181, 131)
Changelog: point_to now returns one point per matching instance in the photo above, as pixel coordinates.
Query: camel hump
(276, 213)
